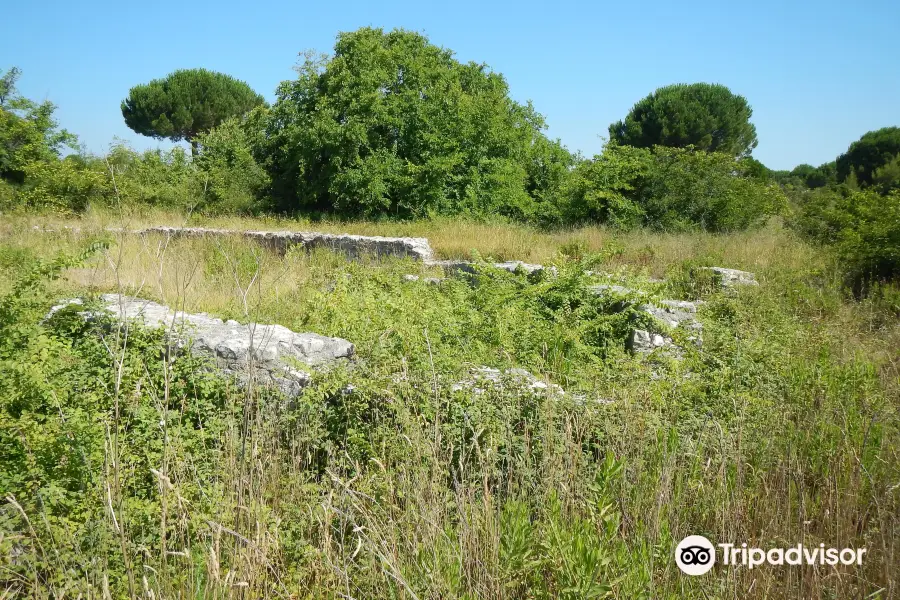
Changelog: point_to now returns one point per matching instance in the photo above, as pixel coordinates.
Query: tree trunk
(195, 148)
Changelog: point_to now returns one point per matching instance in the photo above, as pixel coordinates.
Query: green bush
(869, 242)
(67, 185)
(156, 177)
(669, 188)
(234, 181)
(608, 188)
(68, 389)
(863, 228)
(28, 131)
(548, 169)
(707, 190)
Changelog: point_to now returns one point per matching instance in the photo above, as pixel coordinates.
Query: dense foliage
(671, 189)
(863, 227)
(187, 103)
(28, 131)
(33, 174)
(810, 176)
(865, 157)
(394, 125)
(706, 116)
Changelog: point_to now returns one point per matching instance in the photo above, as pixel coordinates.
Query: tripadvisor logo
(696, 555)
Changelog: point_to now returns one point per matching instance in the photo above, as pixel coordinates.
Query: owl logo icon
(695, 555)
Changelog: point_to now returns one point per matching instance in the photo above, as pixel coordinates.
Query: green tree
(871, 152)
(707, 116)
(671, 189)
(707, 190)
(233, 180)
(815, 177)
(28, 131)
(394, 125)
(754, 168)
(886, 178)
(607, 189)
(548, 169)
(187, 103)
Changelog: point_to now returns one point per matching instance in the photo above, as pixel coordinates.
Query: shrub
(548, 169)
(156, 177)
(689, 189)
(607, 189)
(869, 242)
(235, 182)
(863, 227)
(67, 185)
(669, 188)
(28, 131)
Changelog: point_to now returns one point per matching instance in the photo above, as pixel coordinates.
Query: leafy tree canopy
(670, 189)
(28, 131)
(861, 225)
(754, 168)
(186, 103)
(707, 116)
(871, 152)
(815, 177)
(392, 124)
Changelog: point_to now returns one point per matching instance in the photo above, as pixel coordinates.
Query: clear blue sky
(818, 74)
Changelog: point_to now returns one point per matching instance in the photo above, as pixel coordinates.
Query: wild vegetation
(127, 470)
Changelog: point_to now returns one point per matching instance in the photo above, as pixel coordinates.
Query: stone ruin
(275, 356)
(354, 246)
(268, 355)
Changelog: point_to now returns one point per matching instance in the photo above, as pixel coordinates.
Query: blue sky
(818, 74)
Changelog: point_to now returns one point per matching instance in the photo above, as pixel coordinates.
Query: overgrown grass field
(129, 473)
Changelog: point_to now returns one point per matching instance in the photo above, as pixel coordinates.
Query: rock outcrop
(643, 342)
(674, 313)
(353, 246)
(482, 379)
(431, 280)
(614, 288)
(270, 355)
